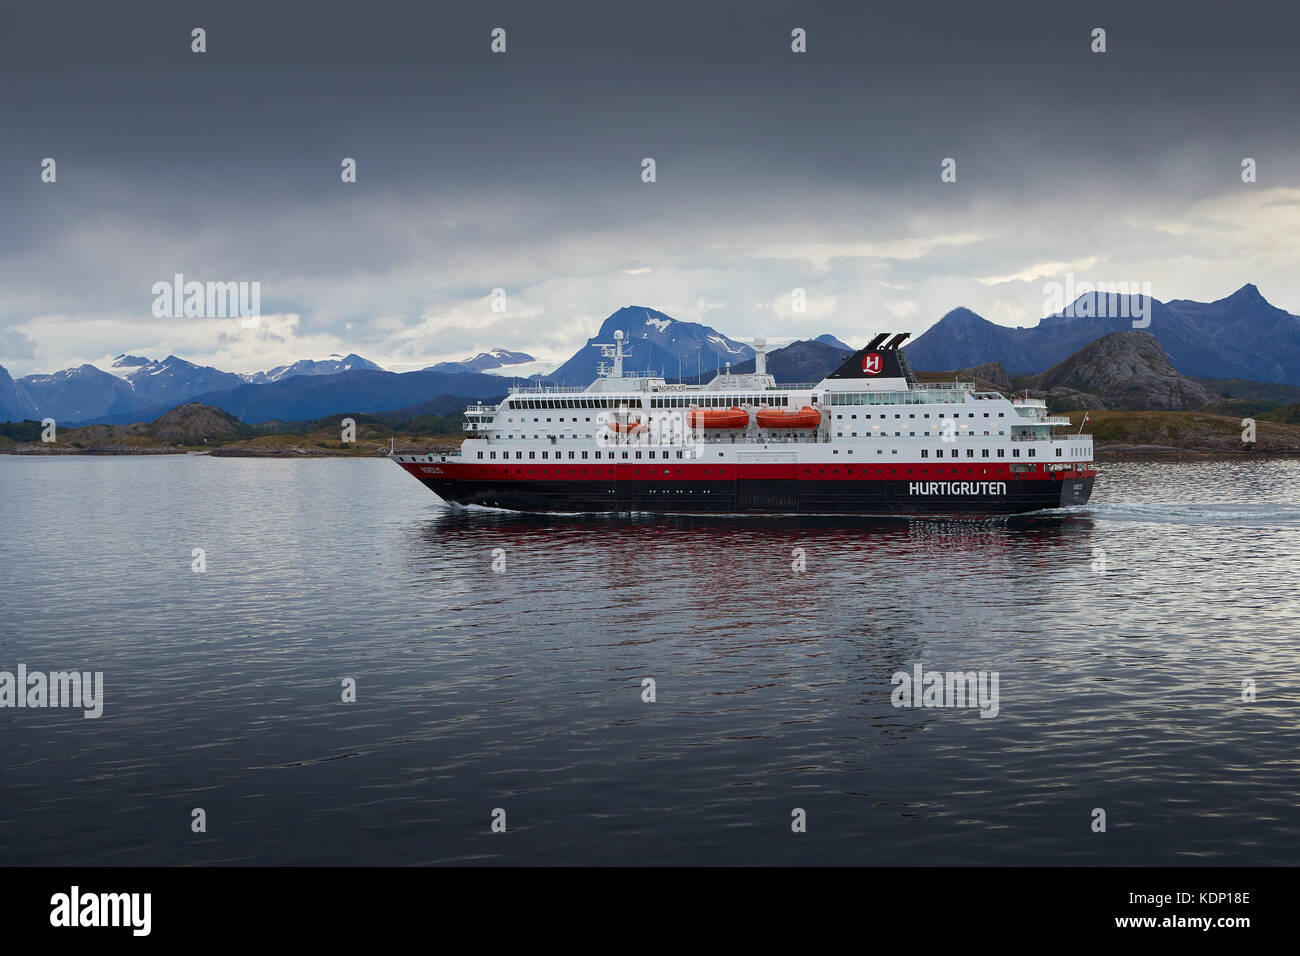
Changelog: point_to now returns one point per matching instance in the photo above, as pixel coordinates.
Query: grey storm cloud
(522, 169)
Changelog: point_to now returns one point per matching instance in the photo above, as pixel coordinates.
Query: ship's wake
(1254, 513)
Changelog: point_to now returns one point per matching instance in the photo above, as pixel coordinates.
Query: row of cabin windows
(880, 434)
(510, 419)
(984, 453)
(916, 396)
(925, 453)
(559, 455)
(674, 401)
(717, 401)
(941, 417)
(543, 404)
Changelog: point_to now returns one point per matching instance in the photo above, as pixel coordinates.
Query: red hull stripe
(692, 471)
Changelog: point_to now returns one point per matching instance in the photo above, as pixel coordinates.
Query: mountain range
(1241, 338)
(138, 389)
(494, 360)
(330, 366)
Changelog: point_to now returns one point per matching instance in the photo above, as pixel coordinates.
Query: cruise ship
(867, 439)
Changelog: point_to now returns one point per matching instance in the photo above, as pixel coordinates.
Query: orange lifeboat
(806, 417)
(717, 418)
(629, 427)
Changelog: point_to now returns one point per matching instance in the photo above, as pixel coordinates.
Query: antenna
(615, 352)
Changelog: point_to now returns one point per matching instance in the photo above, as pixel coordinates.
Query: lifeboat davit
(717, 418)
(806, 417)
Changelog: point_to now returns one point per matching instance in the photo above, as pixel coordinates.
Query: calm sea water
(1120, 688)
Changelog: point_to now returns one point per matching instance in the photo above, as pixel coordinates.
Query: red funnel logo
(871, 363)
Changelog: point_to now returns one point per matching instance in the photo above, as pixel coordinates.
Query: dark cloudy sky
(522, 170)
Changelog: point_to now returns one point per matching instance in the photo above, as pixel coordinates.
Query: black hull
(772, 496)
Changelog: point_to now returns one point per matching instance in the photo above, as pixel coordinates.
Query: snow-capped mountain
(175, 380)
(496, 361)
(329, 366)
(133, 383)
(124, 365)
(74, 394)
(657, 342)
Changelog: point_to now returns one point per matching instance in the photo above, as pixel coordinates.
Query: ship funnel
(760, 359)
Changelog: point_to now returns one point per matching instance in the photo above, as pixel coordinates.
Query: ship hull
(773, 494)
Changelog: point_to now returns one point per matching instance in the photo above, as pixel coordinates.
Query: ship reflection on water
(776, 644)
(816, 612)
